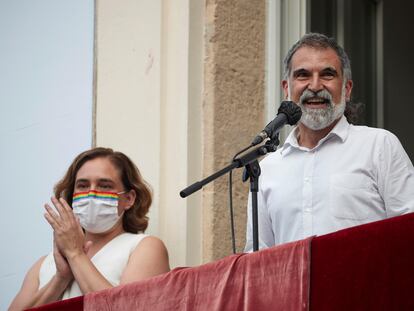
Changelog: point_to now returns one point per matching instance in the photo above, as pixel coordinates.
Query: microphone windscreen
(291, 110)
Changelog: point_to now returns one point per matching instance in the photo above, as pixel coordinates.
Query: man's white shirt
(355, 175)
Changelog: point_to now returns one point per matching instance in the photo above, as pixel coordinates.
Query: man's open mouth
(316, 102)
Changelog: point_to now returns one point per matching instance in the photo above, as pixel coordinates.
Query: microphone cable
(233, 237)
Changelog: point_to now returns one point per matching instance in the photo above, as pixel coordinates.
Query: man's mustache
(322, 94)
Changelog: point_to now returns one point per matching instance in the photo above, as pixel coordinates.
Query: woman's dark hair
(134, 219)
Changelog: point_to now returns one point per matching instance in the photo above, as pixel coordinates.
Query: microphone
(288, 112)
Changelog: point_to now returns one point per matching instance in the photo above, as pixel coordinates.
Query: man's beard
(320, 118)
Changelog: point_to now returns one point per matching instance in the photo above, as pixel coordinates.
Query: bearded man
(329, 174)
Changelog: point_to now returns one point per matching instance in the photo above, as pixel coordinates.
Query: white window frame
(286, 23)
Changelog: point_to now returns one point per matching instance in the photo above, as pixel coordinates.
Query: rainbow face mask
(97, 211)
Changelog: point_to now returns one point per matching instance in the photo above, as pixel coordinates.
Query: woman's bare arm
(30, 295)
(150, 258)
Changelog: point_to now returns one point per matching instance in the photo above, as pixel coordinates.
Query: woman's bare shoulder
(150, 258)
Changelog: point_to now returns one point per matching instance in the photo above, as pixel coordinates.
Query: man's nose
(315, 84)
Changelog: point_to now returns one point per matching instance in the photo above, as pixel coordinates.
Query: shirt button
(306, 179)
(307, 210)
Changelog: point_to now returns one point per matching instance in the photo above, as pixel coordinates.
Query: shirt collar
(340, 130)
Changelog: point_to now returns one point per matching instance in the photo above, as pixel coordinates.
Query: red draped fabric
(72, 304)
(369, 267)
(276, 277)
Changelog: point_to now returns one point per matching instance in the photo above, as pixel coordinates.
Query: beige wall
(180, 129)
(128, 74)
(143, 101)
(233, 110)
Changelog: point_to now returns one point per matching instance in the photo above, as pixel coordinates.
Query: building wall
(128, 83)
(148, 101)
(180, 88)
(233, 111)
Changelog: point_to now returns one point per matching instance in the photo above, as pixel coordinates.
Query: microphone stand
(252, 172)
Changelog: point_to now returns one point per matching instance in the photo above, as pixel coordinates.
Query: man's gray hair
(318, 41)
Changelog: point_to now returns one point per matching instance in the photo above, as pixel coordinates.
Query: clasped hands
(69, 239)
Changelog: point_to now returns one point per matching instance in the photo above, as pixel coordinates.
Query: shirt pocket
(350, 195)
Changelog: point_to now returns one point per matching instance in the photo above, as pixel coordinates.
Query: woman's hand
(68, 234)
(63, 270)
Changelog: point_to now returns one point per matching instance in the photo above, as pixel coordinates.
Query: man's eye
(328, 75)
(301, 75)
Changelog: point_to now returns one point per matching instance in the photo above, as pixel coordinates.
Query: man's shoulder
(378, 138)
(367, 132)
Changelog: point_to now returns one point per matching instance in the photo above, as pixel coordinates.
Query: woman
(101, 206)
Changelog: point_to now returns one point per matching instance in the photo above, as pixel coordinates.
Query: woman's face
(101, 175)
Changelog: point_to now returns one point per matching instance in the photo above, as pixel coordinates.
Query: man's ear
(130, 197)
(348, 90)
(285, 86)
